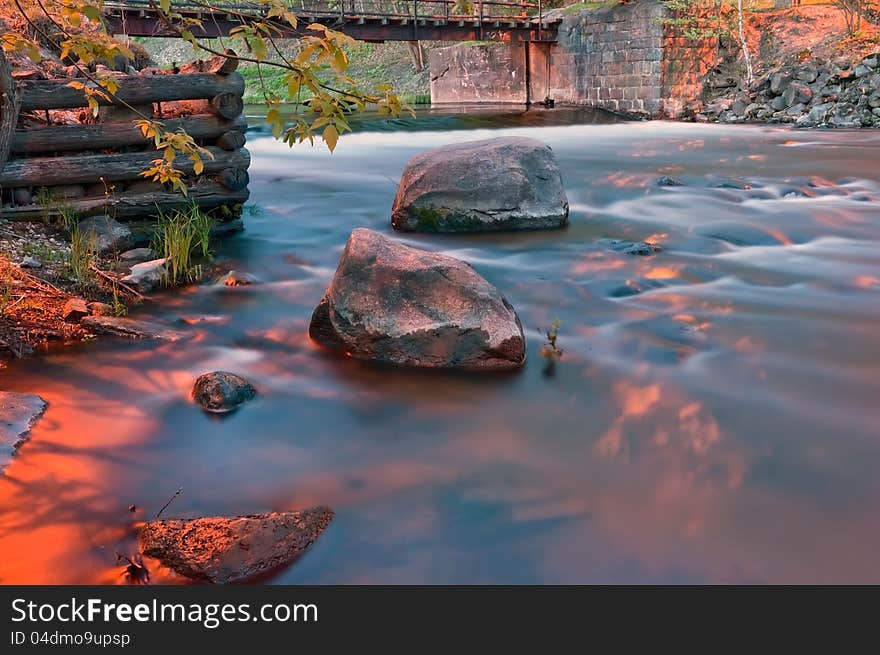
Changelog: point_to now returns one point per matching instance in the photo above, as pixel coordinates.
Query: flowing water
(715, 416)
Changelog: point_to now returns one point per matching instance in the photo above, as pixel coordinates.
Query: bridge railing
(483, 10)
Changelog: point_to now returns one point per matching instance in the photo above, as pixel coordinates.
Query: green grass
(180, 237)
(83, 251)
(578, 7)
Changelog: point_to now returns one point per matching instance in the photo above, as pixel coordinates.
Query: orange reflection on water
(661, 273)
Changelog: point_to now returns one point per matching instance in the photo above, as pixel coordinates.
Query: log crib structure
(49, 160)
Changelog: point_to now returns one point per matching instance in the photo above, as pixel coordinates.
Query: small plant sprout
(550, 351)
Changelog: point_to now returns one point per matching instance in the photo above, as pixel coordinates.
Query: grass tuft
(180, 236)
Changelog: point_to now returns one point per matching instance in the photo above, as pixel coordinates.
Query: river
(715, 416)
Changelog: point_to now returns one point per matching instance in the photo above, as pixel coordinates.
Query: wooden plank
(67, 138)
(133, 89)
(86, 169)
(138, 205)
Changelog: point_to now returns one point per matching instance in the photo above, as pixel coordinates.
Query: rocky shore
(838, 93)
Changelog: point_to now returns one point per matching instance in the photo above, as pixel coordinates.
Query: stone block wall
(611, 58)
(484, 73)
(624, 58)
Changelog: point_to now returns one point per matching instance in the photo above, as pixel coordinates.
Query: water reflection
(713, 418)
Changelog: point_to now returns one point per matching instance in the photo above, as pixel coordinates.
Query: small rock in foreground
(109, 235)
(392, 303)
(137, 255)
(74, 309)
(146, 276)
(227, 550)
(18, 413)
(221, 392)
(100, 309)
(130, 328)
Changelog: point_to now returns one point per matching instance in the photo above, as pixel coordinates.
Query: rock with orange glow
(224, 550)
(222, 392)
(392, 303)
(18, 413)
(509, 183)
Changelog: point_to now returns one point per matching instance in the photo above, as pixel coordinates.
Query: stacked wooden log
(96, 168)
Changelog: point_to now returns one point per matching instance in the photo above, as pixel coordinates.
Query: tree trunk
(417, 55)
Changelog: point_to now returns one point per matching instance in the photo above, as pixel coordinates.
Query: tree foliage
(316, 79)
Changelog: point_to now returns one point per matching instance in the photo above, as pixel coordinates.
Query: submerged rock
(392, 303)
(510, 183)
(18, 413)
(109, 235)
(641, 248)
(130, 328)
(669, 181)
(222, 392)
(224, 550)
(234, 279)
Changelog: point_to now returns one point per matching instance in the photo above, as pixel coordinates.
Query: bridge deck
(365, 20)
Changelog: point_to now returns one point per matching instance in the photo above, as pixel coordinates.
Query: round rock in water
(509, 183)
(225, 550)
(222, 392)
(392, 303)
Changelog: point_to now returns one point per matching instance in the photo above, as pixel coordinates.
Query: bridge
(365, 20)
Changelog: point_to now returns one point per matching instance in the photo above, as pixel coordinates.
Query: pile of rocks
(839, 93)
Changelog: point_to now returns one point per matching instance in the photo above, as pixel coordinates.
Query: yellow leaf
(198, 166)
(330, 136)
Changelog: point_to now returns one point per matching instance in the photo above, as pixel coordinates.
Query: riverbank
(392, 62)
(806, 71)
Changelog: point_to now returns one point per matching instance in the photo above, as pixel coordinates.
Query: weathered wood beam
(231, 140)
(219, 64)
(227, 105)
(9, 107)
(138, 205)
(133, 89)
(234, 178)
(67, 138)
(84, 169)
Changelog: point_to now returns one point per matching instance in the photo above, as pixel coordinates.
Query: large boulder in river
(392, 303)
(224, 550)
(510, 183)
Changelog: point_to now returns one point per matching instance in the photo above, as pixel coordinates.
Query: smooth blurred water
(714, 417)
